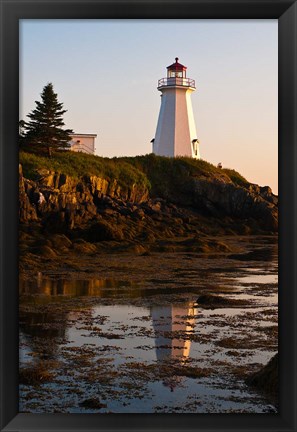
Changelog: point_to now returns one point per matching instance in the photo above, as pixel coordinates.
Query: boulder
(266, 379)
(215, 301)
(103, 231)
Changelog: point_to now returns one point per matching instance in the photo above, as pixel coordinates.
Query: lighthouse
(176, 131)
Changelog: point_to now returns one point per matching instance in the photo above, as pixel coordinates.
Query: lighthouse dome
(176, 66)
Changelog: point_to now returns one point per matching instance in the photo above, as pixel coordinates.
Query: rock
(220, 198)
(156, 207)
(62, 203)
(101, 231)
(139, 249)
(84, 248)
(96, 184)
(214, 301)
(44, 251)
(267, 194)
(266, 379)
(265, 190)
(27, 212)
(148, 237)
(92, 403)
(60, 241)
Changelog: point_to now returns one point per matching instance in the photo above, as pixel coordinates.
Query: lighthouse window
(195, 147)
(174, 74)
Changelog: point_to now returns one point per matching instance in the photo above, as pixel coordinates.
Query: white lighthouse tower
(176, 130)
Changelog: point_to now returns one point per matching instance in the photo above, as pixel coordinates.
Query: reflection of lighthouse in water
(176, 319)
(171, 325)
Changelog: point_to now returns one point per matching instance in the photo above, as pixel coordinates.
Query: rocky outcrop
(106, 211)
(60, 200)
(220, 198)
(266, 379)
(27, 211)
(210, 301)
(95, 186)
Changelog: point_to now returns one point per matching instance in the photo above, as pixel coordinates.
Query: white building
(84, 143)
(176, 131)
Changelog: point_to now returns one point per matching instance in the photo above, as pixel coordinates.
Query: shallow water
(258, 278)
(142, 348)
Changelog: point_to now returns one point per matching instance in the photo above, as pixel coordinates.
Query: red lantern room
(176, 77)
(176, 70)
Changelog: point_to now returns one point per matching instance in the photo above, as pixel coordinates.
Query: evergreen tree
(44, 133)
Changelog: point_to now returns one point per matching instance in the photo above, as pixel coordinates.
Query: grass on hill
(161, 174)
(77, 165)
(172, 175)
(237, 178)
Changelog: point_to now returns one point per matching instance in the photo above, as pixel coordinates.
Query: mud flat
(125, 332)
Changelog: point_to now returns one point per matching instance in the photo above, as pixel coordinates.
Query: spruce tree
(44, 132)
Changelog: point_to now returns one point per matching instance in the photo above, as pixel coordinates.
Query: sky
(105, 73)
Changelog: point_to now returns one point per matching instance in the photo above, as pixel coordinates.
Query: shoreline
(116, 332)
(127, 258)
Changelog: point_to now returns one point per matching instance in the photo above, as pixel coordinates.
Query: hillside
(144, 203)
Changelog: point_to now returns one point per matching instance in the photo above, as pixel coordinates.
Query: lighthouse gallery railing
(185, 82)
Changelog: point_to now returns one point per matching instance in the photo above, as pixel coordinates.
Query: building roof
(82, 135)
(177, 66)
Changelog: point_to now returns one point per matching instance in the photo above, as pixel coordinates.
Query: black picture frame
(286, 13)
